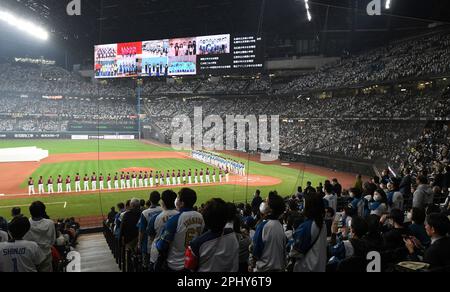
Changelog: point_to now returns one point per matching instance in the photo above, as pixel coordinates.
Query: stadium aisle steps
(95, 254)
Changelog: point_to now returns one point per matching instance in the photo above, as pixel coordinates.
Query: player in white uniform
(68, 184)
(19, 255)
(134, 180)
(41, 185)
(77, 183)
(207, 177)
(101, 182)
(60, 184)
(86, 183)
(150, 178)
(180, 230)
(50, 185)
(94, 181)
(122, 181)
(141, 179)
(116, 181)
(168, 178)
(30, 186)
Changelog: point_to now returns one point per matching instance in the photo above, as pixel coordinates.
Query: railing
(128, 261)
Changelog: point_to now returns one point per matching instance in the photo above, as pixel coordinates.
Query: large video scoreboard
(215, 54)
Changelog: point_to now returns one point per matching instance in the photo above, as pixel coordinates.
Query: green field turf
(95, 204)
(84, 146)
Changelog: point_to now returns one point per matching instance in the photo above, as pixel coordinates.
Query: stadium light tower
(24, 25)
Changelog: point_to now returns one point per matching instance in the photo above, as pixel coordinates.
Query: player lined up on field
(128, 180)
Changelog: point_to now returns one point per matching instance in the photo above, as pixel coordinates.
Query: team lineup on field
(142, 179)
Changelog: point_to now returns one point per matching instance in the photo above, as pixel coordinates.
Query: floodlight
(24, 25)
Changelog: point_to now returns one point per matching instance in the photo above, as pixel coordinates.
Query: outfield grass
(98, 204)
(84, 146)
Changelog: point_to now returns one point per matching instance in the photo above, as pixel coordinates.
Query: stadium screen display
(215, 54)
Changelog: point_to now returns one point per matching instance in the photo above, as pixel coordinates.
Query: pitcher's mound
(136, 169)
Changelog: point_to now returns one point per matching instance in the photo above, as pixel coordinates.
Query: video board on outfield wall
(216, 54)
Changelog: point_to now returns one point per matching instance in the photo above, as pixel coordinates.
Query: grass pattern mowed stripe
(85, 146)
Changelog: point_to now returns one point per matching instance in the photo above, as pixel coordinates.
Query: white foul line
(47, 204)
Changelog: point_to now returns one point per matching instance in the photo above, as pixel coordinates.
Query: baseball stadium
(236, 136)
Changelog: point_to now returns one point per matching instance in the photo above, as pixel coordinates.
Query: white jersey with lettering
(179, 231)
(20, 256)
(155, 229)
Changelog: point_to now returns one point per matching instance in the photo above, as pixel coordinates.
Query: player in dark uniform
(59, 182)
(31, 186)
(77, 183)
(68, 184)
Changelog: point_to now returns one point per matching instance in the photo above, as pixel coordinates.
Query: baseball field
(68, 157)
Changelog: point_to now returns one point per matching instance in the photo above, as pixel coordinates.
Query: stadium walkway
(95, 254)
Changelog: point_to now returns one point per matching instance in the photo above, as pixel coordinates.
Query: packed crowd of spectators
(318, 229)
(417, 57)
(43, 243)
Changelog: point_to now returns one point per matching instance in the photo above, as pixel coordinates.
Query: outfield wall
(70, 135)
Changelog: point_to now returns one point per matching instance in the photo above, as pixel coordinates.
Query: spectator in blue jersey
(309, 249)
(144, 245)
(157, 222)
(269, 242)
(354, 246)
(379, 204)
(216, 250)
(358, 203)
(179, 231)
(118, 219)
(385, 177)
(394, 196)
(417, 217)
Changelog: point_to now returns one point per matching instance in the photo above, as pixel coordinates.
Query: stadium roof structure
(110, 21)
